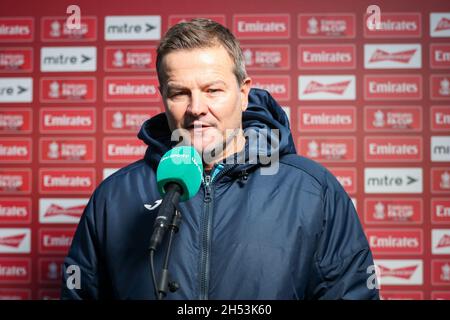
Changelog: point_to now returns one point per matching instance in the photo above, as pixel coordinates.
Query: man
(288, 234)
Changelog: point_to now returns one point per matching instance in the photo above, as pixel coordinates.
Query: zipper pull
(243, 177)
(207, 188)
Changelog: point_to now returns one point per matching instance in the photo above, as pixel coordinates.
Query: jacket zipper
(205, 240)
(206, 226)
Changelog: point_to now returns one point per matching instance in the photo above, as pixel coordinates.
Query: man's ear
(245, 90)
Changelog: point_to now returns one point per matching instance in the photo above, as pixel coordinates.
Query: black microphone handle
(165, 214)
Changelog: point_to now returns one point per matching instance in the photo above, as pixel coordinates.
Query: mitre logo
(440, 148)
(68, 59)
(131, 28)
(15, 90)
(393, 180)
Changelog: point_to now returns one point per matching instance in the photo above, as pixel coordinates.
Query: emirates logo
(401, 57)
(334, 88)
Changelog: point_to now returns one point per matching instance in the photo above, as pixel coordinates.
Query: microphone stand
(164, 283)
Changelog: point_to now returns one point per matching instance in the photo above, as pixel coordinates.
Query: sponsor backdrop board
(373, 106)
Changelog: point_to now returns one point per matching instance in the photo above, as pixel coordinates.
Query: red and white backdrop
(372, 106)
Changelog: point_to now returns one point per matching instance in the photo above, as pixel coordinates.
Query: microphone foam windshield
(181, 165)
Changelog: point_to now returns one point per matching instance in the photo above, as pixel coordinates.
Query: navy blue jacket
(292, 235)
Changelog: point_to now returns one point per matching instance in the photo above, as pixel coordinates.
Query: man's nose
(198, 105)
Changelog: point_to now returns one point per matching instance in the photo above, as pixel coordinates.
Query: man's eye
(175, 94)
(213, 90)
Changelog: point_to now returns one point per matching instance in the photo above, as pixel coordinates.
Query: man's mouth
(198, 126)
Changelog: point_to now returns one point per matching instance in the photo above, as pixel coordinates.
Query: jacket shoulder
(138, 168)
(319, 175)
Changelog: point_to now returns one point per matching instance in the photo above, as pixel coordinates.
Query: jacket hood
(262, 118)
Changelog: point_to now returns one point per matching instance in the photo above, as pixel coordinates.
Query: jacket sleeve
(83, 267)
(343, 261)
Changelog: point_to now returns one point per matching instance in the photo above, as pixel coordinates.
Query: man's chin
(207, 141)
(208, 147)
(210, 151)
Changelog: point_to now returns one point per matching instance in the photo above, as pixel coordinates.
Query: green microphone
(178, 177)
(182, 166)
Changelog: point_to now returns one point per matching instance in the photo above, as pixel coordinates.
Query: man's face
(201, 95)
